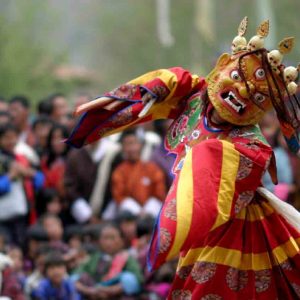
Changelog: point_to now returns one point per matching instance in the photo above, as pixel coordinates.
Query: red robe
(230, 240)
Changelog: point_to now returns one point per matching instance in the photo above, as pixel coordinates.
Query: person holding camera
(18, 184)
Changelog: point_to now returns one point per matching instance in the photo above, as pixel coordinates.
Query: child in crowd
(111, 272)
(73, 236)
(54, 229)
(10, 288)
(127, 223)
(33, 281)
(36, 236)
(16, 255)
(56, 284)
(49, 202)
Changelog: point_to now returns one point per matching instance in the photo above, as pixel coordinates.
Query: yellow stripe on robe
(230, 165)
(184, 205)
(255, 212)
(238, 259)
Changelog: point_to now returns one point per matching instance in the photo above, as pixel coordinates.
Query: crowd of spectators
(76, 223)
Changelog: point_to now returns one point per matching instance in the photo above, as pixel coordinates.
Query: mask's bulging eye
(235, 75)
(260, 74)
(259, 97)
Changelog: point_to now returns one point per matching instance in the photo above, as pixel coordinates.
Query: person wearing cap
(234, 238)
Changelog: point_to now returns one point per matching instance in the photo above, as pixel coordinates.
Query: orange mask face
(238, 88)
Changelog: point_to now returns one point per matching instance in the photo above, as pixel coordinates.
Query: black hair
(44, 107)
(36, 233)
(73, 230)
(159, 127)
(4, 128)
(50, 101)
(125, 215)
(20, 99)
(43, 120)
(51, 153)
(54, 259)
(45, 196)
(126, 133)
(144, 225)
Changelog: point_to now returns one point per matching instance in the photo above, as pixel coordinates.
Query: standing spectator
(18, 183)
(137, 186)
(57, 107)
(54, 162)
(34, 279)
(41, 128)
(20, 109)
(87, 177)
(56, 284)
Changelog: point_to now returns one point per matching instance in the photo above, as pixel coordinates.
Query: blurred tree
(26, 57)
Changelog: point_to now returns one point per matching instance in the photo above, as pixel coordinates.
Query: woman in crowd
(53, 164)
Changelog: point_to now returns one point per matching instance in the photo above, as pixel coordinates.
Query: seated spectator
(36, 236)
(54, 229)
(10, 286)
(127, 223)
(54, 162)
(56, 284)
(18, 183)
(33, 280)
(137, 186)
(111, 272)
(41, 128)
(73, 236)
(16, 255)
(144, 229)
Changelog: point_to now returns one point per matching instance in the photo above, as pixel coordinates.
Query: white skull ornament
(290, 74)
(275, 58)
(292, 88)
(256, 42)
(238, 43)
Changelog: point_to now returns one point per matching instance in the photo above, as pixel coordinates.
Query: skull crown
(275, 57)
